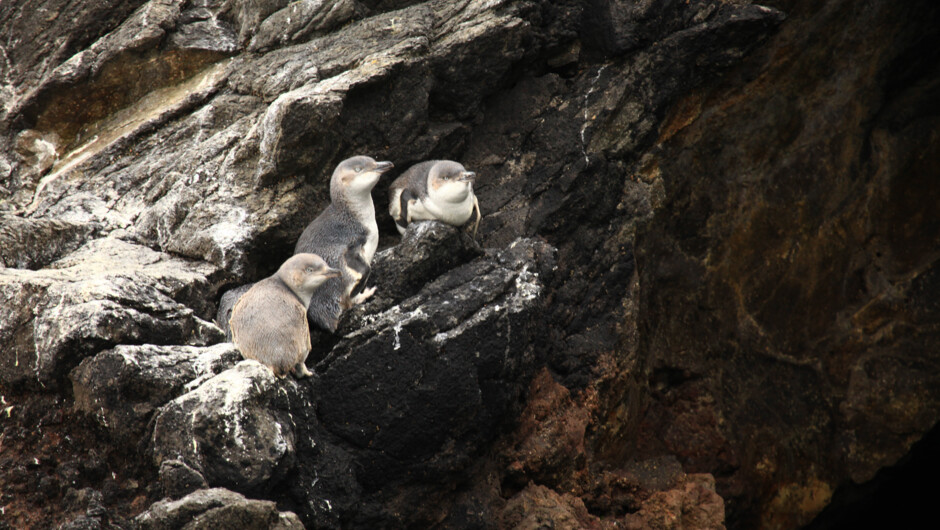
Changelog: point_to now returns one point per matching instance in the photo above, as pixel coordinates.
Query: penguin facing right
(346, 235)
(440, 190)
(269, 322)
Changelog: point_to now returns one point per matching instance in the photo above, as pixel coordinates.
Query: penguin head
(449, 181)
(303, 273)
(357, 175)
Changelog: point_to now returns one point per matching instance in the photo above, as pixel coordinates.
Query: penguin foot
(363, 296)
(300, 371)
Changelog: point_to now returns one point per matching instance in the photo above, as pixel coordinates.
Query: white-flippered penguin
(269, 321)
(346, 235)
(440, 190)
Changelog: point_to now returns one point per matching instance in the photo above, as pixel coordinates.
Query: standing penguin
(269, 322)
(346, 235)
(439, 190)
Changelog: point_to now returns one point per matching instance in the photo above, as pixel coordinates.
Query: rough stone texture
(802, 251)
(770, 167)
(179, 480)
(35, 243)
(122, 387)
(234, 429)
(216, 508)
(428, 382)
(692, 504)
(540, 507)
(105, 293)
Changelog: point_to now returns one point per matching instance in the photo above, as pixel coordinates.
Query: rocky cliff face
(704, 290)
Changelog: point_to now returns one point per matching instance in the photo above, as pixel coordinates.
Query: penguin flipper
(355, 262)
(406, 197)
(326, 306)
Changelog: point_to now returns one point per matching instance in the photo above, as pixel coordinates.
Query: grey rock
(215, 508)
(234, 429)
(122, 387)
(426, 251)
(35, 243)
(210, 35)
(105, 293)
(179, 480)
(299, 21)
(691, 132)
(83, 522)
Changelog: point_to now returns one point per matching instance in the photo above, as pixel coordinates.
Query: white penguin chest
(452, 213)
(372, 240)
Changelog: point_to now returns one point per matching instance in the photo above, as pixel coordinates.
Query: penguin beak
(382, 167)
(332, 273)
(467, 176)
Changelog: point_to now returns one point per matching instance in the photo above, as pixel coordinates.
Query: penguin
(439, 190)
(269, 322)
(346, 235)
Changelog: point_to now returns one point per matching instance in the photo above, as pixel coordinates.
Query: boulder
(215, 508)
(235, 429)
(122, 387)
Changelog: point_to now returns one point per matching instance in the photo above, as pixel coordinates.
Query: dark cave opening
(895, 498)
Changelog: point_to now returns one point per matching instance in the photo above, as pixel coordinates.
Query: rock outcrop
(705, 280)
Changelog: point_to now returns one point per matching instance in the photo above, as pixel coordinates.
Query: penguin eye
(358, 169)
(309, 270)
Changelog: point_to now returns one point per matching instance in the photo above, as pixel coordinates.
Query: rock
(301, 20)
(178, 479)
(410, 394)
(680, 156)
(215, 508)
(539, 507)
(427, 250)
(83, 522)
(692, 504)
(122, 387)
(35, 243)
(226, 304)
(234, 429)
(795, 283)
(106, 293)
(549, 441)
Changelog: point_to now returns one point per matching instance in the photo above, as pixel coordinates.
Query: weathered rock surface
(802, 251)
(770, 167)
(408, 394)
(105, 293)
(122, 387)
(35, 243)
(216, 508)
(235, 429)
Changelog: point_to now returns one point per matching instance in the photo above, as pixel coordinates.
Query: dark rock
(121, 388)
(794, 295)
(427, 250)
(538, 507)
(178, 479)
(226, 304)
(412, 393)
(83, 522)
(774, 178)
(234, 429)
